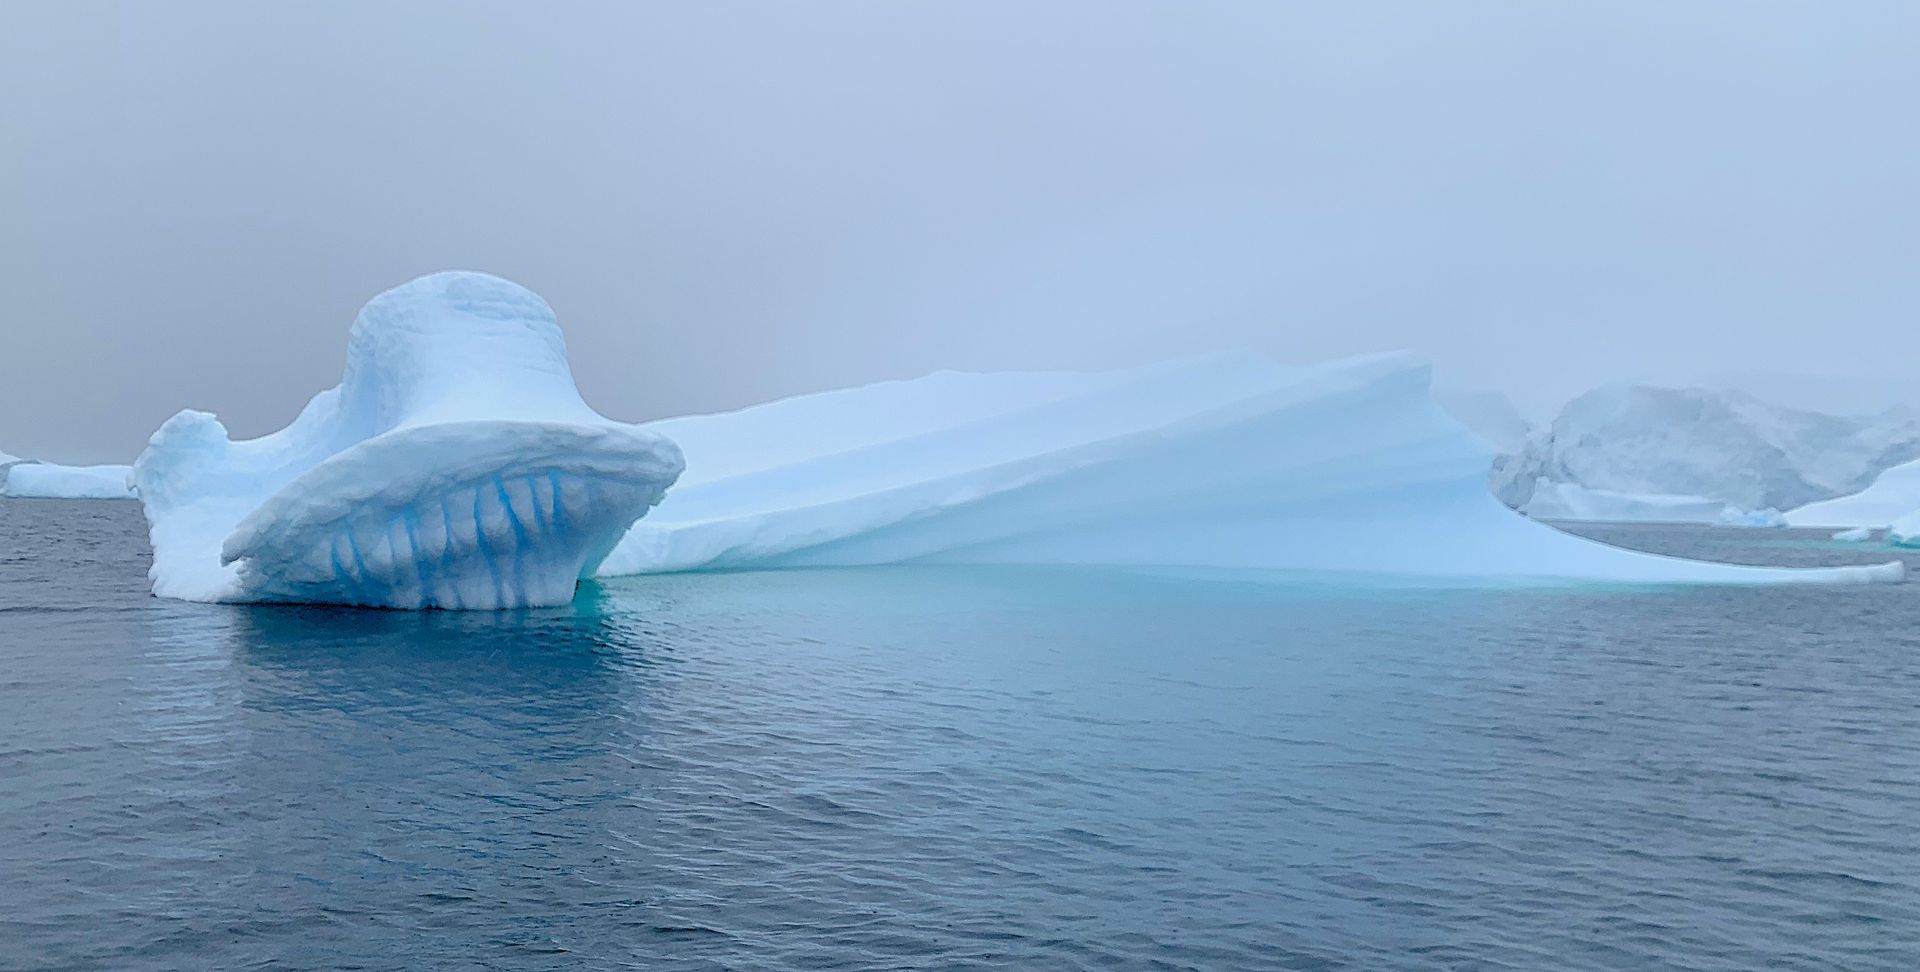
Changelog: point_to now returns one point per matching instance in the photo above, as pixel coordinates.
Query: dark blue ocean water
(913, 768)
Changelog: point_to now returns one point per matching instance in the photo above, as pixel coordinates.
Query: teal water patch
(956, 768)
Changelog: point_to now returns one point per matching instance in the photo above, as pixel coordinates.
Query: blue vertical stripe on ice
(1218, 462)
(455, 466)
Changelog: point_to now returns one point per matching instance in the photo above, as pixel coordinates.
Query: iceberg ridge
(1219, 462)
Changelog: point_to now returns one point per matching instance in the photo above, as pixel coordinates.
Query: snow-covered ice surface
(1215, 463)
(454, 466)
(1725, 445)
(1571, 501)
(52, 480)
(1894, 494)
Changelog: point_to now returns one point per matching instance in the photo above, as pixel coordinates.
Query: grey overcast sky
(728, 202)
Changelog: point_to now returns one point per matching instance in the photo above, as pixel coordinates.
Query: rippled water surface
(918, 768)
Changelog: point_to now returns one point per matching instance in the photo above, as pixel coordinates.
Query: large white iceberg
(454, 466)
(55, 481)
(1894, 494)
(1230, 463)
(1726, 445)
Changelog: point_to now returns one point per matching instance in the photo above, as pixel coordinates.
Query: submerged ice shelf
(455, 466)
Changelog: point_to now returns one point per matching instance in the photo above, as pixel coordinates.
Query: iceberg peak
(454, 466)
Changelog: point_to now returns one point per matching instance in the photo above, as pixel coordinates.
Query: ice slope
(1489, 415)
(1723, 445)
(45, 479)
(1894, 494)
(1215, 463)
(455, 466)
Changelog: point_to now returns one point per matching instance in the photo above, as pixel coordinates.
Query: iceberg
(1855, 535)
(25, 477)
(1895, 493)
(1726, 445)
(454, 466)
(1764, 519)
(1552, 500)
(1905, 531)
(1219, 463)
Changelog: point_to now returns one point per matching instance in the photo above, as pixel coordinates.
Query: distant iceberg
(1905, 531)
(1220, 463)
(25, 477)
(1554, 500)
(1855, 535)
(1733, 516)
(455, 466)
(1644, 440)
(1895, 493)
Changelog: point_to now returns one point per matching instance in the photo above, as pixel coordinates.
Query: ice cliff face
(454, 466)
(1726, 446)
(1217, 463)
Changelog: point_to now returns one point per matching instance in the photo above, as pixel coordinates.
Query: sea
(945, 768)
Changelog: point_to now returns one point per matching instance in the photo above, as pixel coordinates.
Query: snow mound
(1217, 463)
(1893, 494)
(50, 480)
(454, 466)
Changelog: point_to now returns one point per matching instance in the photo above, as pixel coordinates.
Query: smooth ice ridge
(1894, 494)
(1214, 463)
(455, 466)
(49, 480)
